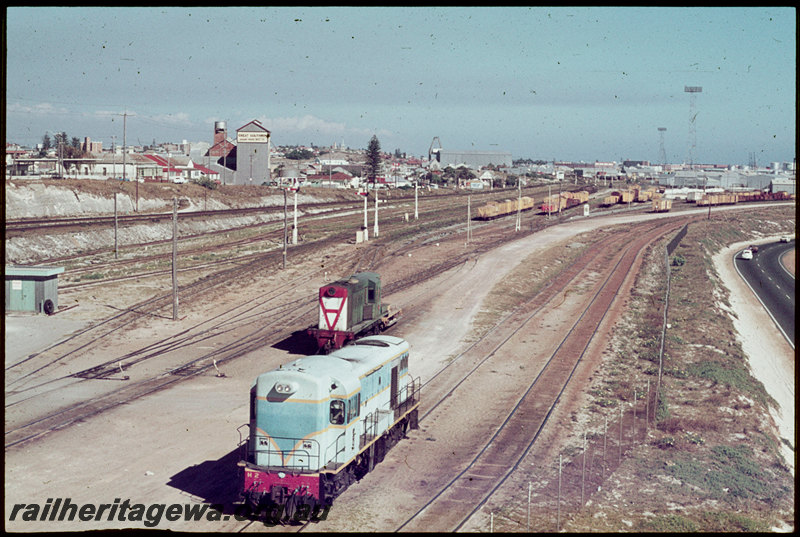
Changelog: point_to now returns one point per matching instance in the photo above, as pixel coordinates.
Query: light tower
(692, 91)
(662, 153)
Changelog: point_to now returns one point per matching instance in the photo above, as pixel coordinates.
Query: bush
(206, 182)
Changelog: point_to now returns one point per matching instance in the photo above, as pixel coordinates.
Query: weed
(729, 375)
(668, 523)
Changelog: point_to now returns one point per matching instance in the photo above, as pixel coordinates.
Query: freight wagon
(717, 199)
(552, 204)
(566, 200)
(758, 195)
(581, 196)
(496, 209)
(627, 196)
(662, 205)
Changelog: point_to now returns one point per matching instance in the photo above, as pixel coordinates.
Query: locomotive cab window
(337, 412)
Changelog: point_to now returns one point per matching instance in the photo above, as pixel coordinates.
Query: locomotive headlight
(285, 387)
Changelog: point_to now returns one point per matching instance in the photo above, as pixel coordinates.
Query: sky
(550, 83)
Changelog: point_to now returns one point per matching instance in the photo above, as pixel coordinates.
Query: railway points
(412, 277)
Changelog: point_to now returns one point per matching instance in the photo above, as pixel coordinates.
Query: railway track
(470, 486)
(22, 386)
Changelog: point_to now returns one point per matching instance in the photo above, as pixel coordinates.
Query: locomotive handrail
(243, 442)
(276, 457)
(337, 450)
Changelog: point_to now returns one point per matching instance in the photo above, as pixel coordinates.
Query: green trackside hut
(32, 288)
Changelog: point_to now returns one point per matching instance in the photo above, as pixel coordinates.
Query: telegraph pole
(285, 224)
(518, 224)
(115, 225)
(469, 218)
(375, 230)
(225, 154)
(174, 259)
(125, 157)
(366, 224)
(114, 157)
(416, 200)
(294, 229)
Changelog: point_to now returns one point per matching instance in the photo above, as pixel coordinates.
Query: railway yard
(546, 404)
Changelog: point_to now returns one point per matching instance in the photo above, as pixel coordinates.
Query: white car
(747, 254)
(786, 238)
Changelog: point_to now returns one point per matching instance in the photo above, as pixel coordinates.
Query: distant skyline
(564, 83)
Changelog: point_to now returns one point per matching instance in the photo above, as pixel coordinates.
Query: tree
(299, 154)
(464, 174)
(46, 145)
(373, 159)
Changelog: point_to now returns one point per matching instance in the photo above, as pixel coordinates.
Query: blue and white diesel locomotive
(322, 422)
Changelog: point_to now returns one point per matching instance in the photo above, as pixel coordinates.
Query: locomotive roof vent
(330, 291)
(371, 342)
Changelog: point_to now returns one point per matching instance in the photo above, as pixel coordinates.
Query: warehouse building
(472, 159)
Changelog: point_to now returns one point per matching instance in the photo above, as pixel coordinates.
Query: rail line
(460, 498)
(105, 370)
(109, 368)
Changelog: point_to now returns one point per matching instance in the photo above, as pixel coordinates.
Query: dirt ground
(179, 446)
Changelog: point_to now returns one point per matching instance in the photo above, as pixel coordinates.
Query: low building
(32, 288)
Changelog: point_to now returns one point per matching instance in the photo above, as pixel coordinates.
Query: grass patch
(668, 523)
(730, 375)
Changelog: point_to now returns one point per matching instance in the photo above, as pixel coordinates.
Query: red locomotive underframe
(300, 484)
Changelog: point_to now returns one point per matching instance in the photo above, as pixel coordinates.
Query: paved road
(772, 283)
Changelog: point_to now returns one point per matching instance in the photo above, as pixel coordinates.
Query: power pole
(114, 157)
(174, 259)
(115, 225)
(469, 218)
(294, 229)
(416, 200)
(285, 224)
(518, 224)
(125, 157)
(375, 230)
(225, 154)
